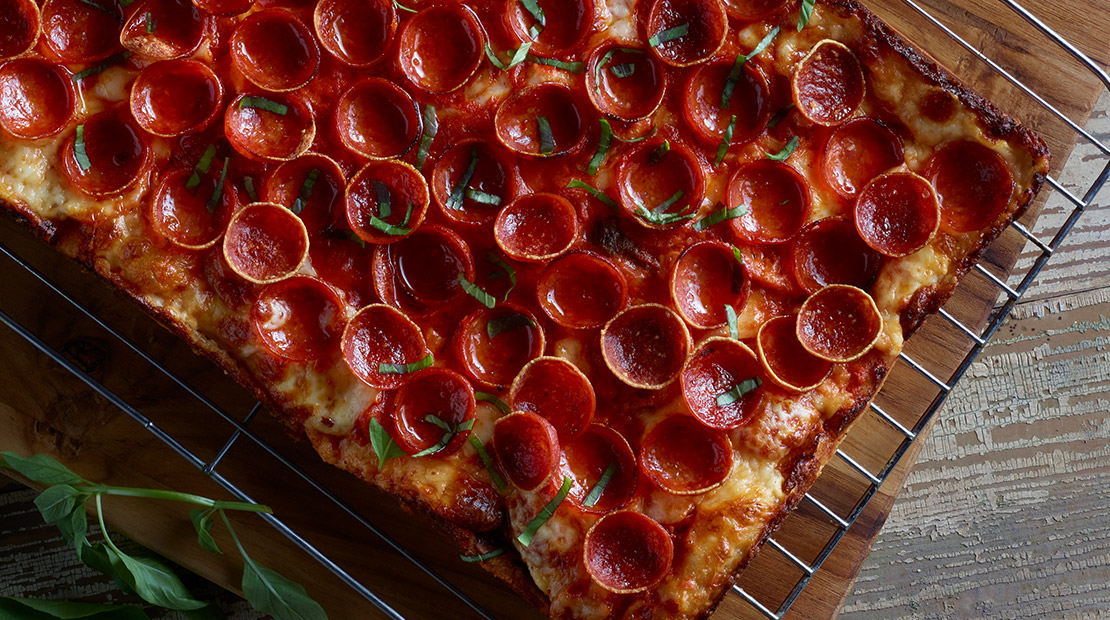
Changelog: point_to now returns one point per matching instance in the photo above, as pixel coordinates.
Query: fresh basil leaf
(202, 167)
(351, 236)
(306, 191)
(498, 481)
(57, 502)
(596, 193)
(273, 594)
(733, 328)
(482, 557)
(431, 128)
(151, 23)
(739, 256)
(476, 292)
(738, 391)
(603, 143)
(158, 585)
(486, 397)
(659, 215)
(495, 327)
(738, 66)
(659, 153)
(576, 68)
(650, 134)
(381, 192)
(670, 34)
(248, 184)
(726, 140)
(13, 608)
(80, 153)
(404, 369)
(481, 197)
(547, 139)
(450, 431)
(42, 469)
(805, 13)
(535, 524)
(518, 56)
(110, 62)
(262, 103)
(102, 559)
(605, 60)
(777, 118)
(455, 200)
(403, 7)
(623, 71)
(214, 199)
(75, 527)
(721, 215)
(390, 229)
(595, 493)
(505, 267)
(384, 446)
(786, 150)
(202, 523)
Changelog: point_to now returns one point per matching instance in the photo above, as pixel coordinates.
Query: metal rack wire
(839, 520)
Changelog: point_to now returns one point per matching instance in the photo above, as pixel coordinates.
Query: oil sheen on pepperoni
(567, 25)
(315, 175)
(77, 32)
(439, 392)
(175, 97)
(706, 28)
(706, 278)
(494, 174)
(776, 196)
(555, 389)
(830, 251)
(495, 360)
(357, 32)
(646, 346)
(683, 456)
(655, 172)
(265, 135)
(441, 47)
(628, 94)
(527, 447)
(897, 213)
(164, 29)
(785, 360)
(225, 8)
(265, 243)
(517, 121)
(182, 214)
(536, 227)
(299, 318)
(274, 50)
(973, 185)
(588, 456)
(117, 151)
(717, 367)
(581, 290)
(36, 98)
(750, 102)
(857, 152)
(377, 119)
(839, 323)
(20, 24)
(422, 270)
(627, 552)
(406, 193)
(381, 335)
(753, 10)
(828, 84)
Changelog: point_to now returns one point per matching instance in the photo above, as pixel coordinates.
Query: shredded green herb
(476, 292)
(80, 154)
(738, 391)
(455, 200)
(431, 127)
(670, 34)
(596, 193)
(482, 557)
(535, 524)
(786, 150)
(202, 167)
(547, 139)
(262, 103)
(721, 215)
(726, 140)
(404, 369)
(595, 493)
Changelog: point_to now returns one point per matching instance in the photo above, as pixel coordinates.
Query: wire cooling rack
(774, 581)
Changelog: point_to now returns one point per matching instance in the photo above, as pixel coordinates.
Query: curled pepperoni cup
(271, 127)
(176, 97)
(828, 83)
(225, 8)
(581, 290)
(527, 447)
(645, 346)
(105, 155)
(383, 347)
(311, 186)
(722, 383)
(377, 119)
(164, 29)
(555, 389)
(299, 318)
(193, 216)
(495, 344)
(624, 83)
(472, 181)
(683, 456)
(753, 10)
(749, 102)
(566, 26)
(423, 269)
(897, 213)
(857, 152)
(36, 98)
(785, 360)
(660, 183)
(686, 32)
(357, 32)
(536, 227)
(839, 323)
(776, 197)
(274, 50)
(627, 552)
(973, 185)
(545, 120)
(602, 468)
(386, 201)
(20, 23)
(265, 243)
(830, 251)
(81, 32)
(441, 47)
(706, 278)
(432, 414)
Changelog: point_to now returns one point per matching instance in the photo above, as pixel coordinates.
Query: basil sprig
(382, 443)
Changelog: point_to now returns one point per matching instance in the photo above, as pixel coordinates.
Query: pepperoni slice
(706, 278)
(645, 346)
(164, 29)
(587, 457)
(566, 27)
(722, 383)
(686, 32)
(828, 83)
(79, 32)
(555, 389)
(494, 344)
(265, 243)
(274, 50)
(581, 291)
(386, 201)
(357, 32)
(176, 97)
(193, 217)
(423, 269)
(777, 198)
(299, 318)
(344, 263)
(683, 456)
(830, 251)
(224, 8)
(749, 103)
(536, 227)
(527, 447)
(753, 10)
(377, 119)
(785, 360)
(546, 120)
(857, 152)
(624, 83)
(273, 127)
(36, 98)
(116, 155)
(658, 172)
(441, 47)
(311, 186)
(839, 323)
(897, 213)
(767, 265)
(439, 392)
(493, 175)
(20, 23)
(381, 338)
(627, 552)
(973, 185)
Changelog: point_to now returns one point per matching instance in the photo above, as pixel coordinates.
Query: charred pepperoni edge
(541, 435)
(474, 325)
(787, 325)
(261, 24)
(660, 555)
(603, 100)
(923, 234)
(14, 66)
(957, 222)
(715, 436)
(815, 232)
(563, 218)
(77, 177)
(300, 350)
(569, 103)
(546, 283)
(295, 107)
(385, 276)
(396, 98)
(149, 75)
(412, 339)
(285, 191)
(398, 207)
(464, 15)
(764, 235)
(662, 312)
(405, 434)
(171, 15)
(704, 406)
(738, 298)
(624, 480)
(798, 74)
(865, 124)
(229, 203)
(711, 10)
(289, 219)
(863, 303)
(558, 375)
(30, 12)
(327, 42)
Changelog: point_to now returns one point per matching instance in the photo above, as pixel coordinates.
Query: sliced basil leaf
(262, 103)
(151, 23)
(535, 524)
(202, 167)
(786, 150)
(806, 13)
(494, 327)
(737, 255)
(733, 327)
(574, 67)
(403, 7)
(80, 154)
(726, 140)
(392, 230)
(156, 583)
(486, 397)
(518, 56)
(482, 557)
(248, 184)
(431, 127)
(660, 217)
(623, 71)
(650, 134)
(202, 523)
(404, 369)
(505, 267)
(596, 193)
(605, 60)
(381, 192)
(455, 200)
(738, 391)
(603, 143)
(449, 433)
(670, 34)
(306, 191)
(533, 7)
(108, 63)
(777, 118)
(382, 443)
(547, 140)
(476, 292)
(351, 236)
(214, 199)
(481, 197)
(659, 153)
(599, 488)
(721, 215)
(57, 502)
(738, 66)
(476, 443)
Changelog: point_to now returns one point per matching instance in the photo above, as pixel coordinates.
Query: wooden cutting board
(44, 409)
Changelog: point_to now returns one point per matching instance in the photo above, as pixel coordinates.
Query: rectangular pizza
(598, 286)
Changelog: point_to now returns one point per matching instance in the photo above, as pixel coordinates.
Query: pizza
(598, 287)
